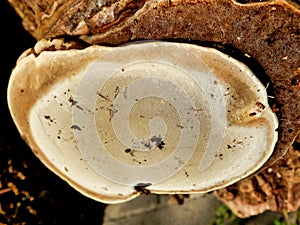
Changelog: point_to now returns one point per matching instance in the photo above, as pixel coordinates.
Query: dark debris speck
(141, 187)
(75, 127)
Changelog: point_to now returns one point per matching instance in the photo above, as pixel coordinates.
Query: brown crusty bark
(268, 31)
(276, 188)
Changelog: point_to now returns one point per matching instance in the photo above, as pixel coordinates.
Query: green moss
(225, 216)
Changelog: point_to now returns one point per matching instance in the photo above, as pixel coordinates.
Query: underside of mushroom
(132, 96)
(156, 114)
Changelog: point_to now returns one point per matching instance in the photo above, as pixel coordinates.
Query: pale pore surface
(180, 117)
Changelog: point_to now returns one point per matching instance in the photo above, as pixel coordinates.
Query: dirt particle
(75, 127)
(219, 155)
(105, 188)
(102, 96)
(128, 150)
(47, 117)
(141, 187)
(80, 108)
(112, 111)
(117, 91)
(180, 126)
(155, 141)
(186, 174)
(72, 101)
(260, 105)
(161, 145)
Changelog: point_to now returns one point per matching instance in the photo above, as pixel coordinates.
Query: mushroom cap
(162, 117)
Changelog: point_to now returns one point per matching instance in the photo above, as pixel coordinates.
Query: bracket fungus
(168, 117)
(133, 106)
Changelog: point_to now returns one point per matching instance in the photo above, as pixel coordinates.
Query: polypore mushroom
(157, 116)
(267, 31)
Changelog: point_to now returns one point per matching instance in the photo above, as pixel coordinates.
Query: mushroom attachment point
(178, 117)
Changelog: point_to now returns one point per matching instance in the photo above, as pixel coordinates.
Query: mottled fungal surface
(267, 31)
(108, 119)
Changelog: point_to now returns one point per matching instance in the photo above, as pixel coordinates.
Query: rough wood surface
(276, 188)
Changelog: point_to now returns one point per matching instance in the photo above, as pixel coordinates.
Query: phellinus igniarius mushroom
(83, 110)
(176, 117)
